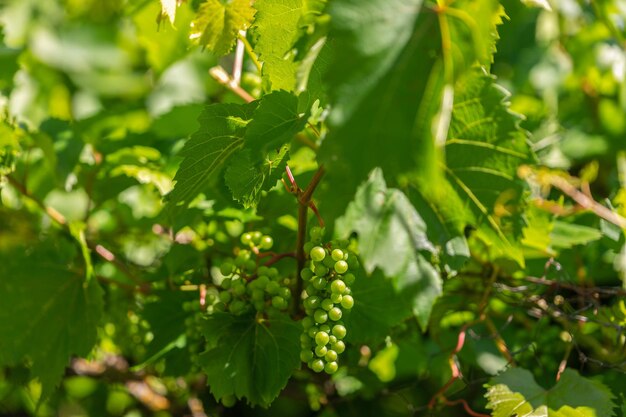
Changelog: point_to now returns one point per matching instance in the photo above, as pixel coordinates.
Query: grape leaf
(377, 308)
(250, 358)
(48, 312)
(565, 235)
(222, 127)
(473, 26)
(485, 146)
(375, 81)
(387, 224)
(274, 31)
(515, 392)
(217, 23)
(247, 178)
(388, 227)
(274, 123)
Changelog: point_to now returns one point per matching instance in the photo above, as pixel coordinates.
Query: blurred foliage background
(98, 96)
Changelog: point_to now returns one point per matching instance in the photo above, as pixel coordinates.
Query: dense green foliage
(313, 207)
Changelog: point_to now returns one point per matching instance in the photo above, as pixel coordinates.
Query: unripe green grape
(335, 313)
(328, 262)
(320, 351)
(239, 289)
(306, 355)
(246, 238)
(259, 305)
(257, 295)
(272, 272)
(284, 292)
(347, 302)
(308, 246)
(327, 304)
(332, 339)
(307, 323)
(312, 332)
(256, 237)
(317, 365)
(324, 328)
(338, 347)
(321, 338)
(331, 367)
(316, 232)
(338, 286)
(225, 297)
(250, 265)
(312, 302)
(262, 281)
(341, 267)
(237, 307)
(310, 289)
(337, 255)
(320, 316)
(306, 274)
(349, 279)
(331, 355)
(335, 298)
(317, 253)
(318, 283)
(242, 257)
(348, 291)
(305, 340)
(226, 283)
(339, 331)
(263, 270)
(266, 242)
(321, 269)
(227, 268)
(279, 302)
(272, 287)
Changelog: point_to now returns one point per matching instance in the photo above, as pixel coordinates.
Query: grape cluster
(247, 285)
(327, 295)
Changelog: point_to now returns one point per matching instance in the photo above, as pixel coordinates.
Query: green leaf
(48, 312)
(377, 308)
(485, 146)
(389, 228)
(387, 224)
(375, 81)
(222, 127)
(246, 178)
(248, 357)
(566, 235)
(473, 26)
(274, 31)
(276, 120)
(218, 23)
(515, 392)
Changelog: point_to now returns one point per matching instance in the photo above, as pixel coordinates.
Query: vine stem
(452, 360)
(251, 54)
(222, 77)
(304, 202)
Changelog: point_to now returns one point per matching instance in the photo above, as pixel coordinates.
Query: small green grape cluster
(247, 285)
(327, 295)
